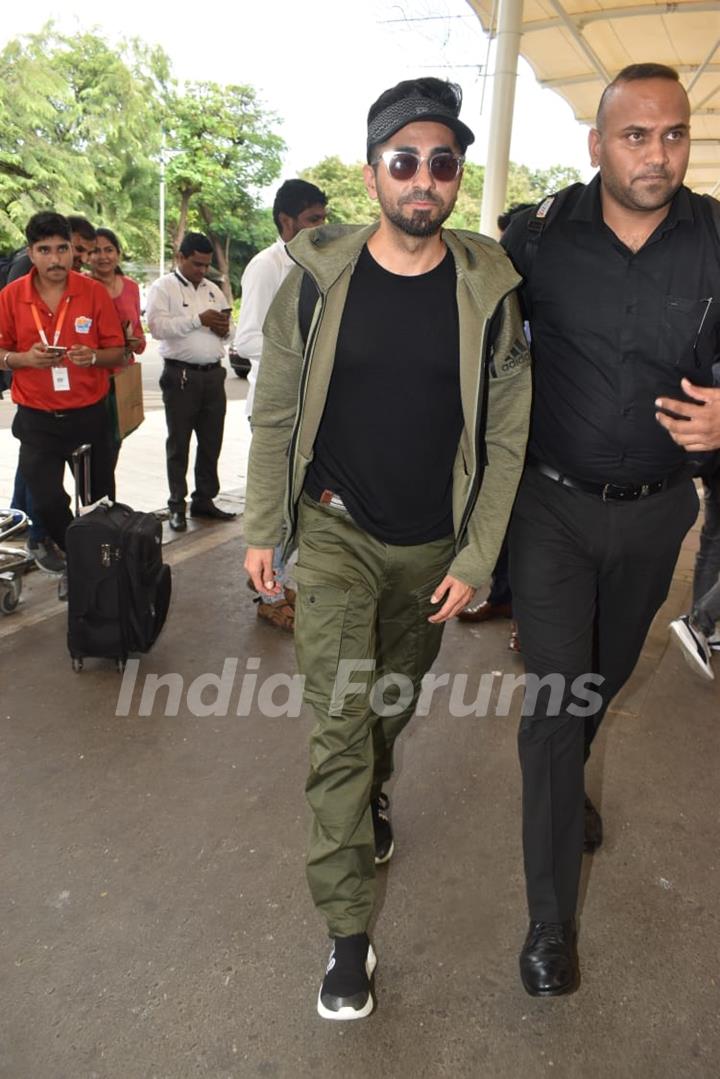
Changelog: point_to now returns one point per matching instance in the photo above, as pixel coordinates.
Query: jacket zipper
(307, 359)
(484, 373)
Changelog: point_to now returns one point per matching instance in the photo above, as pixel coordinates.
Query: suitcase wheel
(120, 664)
(77, 663)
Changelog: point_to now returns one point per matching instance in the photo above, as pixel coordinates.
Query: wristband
(93, 361)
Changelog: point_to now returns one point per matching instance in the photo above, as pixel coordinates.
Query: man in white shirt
(298, 205)
(190, 317)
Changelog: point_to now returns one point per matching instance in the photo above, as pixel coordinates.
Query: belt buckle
(625, 492)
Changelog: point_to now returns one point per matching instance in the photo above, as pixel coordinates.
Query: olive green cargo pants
(361, 604)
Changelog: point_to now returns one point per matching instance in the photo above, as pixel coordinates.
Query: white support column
(503, 100)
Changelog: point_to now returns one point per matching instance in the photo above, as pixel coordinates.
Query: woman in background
(125, 294)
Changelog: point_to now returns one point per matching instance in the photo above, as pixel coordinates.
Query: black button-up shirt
(613, 329)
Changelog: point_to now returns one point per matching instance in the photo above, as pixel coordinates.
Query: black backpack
(8, 262)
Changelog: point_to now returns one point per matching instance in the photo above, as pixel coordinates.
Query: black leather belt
(61, 415)
(612, 492)
(194, 366)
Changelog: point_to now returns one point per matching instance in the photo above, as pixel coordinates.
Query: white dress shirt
(264, 274)
(173, 312)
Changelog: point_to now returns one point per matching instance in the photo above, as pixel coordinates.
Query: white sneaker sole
(44, 569)
(685, 640)
(345, 1014)
(388, 856)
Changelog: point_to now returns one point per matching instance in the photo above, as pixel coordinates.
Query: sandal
(281, 615)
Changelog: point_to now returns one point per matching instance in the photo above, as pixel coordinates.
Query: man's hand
(215, 321)
(81, 355)
(38, 356)
(456, 594)
(700, 427)
(259, 566)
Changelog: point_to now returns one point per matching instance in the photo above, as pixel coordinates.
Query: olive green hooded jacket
(293, 383)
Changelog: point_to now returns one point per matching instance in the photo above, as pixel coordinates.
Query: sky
(319, 64)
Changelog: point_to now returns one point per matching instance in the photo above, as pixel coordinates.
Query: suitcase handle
(81, 455)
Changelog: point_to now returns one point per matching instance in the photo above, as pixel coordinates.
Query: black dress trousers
(587, 578)
(194, 402)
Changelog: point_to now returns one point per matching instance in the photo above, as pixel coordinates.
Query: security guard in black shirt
(622, 295)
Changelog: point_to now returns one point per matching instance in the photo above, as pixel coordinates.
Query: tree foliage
(84, 124)
(81, 133)
(221, 149)
(348, 201)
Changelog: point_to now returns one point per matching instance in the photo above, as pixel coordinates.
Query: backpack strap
(712, 208)
(307, 301)
(543, 215)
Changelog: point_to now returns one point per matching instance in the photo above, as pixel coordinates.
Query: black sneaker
(48, 556)
(345, 992)
(384, 843)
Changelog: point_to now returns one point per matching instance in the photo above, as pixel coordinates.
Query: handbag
(126, 397)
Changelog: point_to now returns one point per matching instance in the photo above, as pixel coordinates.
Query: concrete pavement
(156, 923)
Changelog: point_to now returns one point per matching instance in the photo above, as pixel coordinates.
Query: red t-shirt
(90, 319)
(127, 305)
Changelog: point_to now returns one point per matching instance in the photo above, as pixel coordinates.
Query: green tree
(81, 130)
(348, 201)
(530, 185)
(221, 147)
(466, 214)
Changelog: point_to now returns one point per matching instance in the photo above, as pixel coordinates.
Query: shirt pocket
(689, 334)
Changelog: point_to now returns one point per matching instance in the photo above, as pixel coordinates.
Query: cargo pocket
(428, 635)
(320, 611)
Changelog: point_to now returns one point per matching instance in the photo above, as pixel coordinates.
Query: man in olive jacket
(389, 444)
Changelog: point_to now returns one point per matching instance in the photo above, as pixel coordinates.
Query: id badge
(61, 379)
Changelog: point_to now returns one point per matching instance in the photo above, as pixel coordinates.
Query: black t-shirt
(612, 330)
(392, 420)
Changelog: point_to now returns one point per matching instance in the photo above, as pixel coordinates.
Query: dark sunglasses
(404, 165)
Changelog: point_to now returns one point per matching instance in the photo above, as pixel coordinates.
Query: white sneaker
(714, 642)
(694, 645)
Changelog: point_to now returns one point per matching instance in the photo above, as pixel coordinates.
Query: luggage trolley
(14, 561)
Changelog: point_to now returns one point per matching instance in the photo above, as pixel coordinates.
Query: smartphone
(56, 350)
(226, 310)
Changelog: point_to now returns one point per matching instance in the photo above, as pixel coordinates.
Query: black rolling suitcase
(118, 587)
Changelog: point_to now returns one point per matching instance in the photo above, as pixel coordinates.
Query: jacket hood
(325, 252)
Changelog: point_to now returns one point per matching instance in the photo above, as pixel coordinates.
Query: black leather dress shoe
(548, 961)
(177, 521)
(209, 509)
(593, 835)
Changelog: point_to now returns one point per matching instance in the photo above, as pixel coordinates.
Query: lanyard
(58, 327)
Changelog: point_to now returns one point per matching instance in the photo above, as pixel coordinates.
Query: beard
(420, 222)
(655, 191)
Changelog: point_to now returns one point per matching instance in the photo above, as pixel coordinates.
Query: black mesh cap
(411, 109)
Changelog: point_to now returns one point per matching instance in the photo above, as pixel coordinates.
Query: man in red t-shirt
(59, 334)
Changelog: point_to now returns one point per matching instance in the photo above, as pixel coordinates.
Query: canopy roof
(577, 46)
